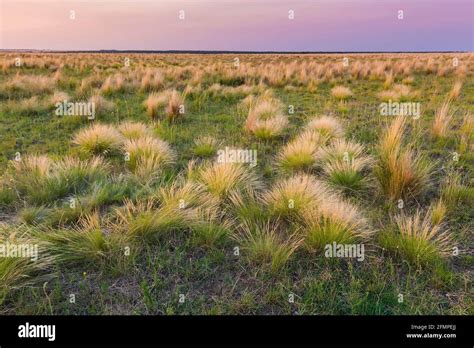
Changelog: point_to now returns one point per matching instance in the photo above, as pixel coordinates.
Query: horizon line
(27, 50)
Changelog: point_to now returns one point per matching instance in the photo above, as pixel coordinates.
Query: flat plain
(214, 183)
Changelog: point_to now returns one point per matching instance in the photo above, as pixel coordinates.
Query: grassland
(133, 213)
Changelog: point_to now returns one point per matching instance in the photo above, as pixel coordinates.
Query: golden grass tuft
(466, 133)
(152, 81)
(153, 103)
(169, 103)
(389, 79)
(453, 191)
(205, 146)
(33, 84)
(134, 130)
(341, 92)
(265, 245)
(148, 155)
(41, 181)
(175, 107)
(399, 92)
(98, 139)
(333, 220)
(85, 244)
(443, 117)
(32, 105)
(185, 194)
(326, 126)
(22, 272)
(59, 97)
(32, 165)
(89, 83)
(400, 170)
(78, 174)
(270, 128)
(339, 150)
(347, 174)
(322, 216)
(101, 104)
(417, 239)
(265, 108)
(113, 84)
(33, 178)
(438, 212)
(343, 163)
(147, 220)
(456, 90)
(221, 179)
(290, 196)
(265, 119)
(300, 153)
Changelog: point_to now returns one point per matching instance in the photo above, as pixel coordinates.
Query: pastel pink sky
(240, 25)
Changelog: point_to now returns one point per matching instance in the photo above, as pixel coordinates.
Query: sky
(238, 25)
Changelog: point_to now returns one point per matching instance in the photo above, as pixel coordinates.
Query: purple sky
(242, 25)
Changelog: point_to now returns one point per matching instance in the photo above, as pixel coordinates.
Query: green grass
(139, 259)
